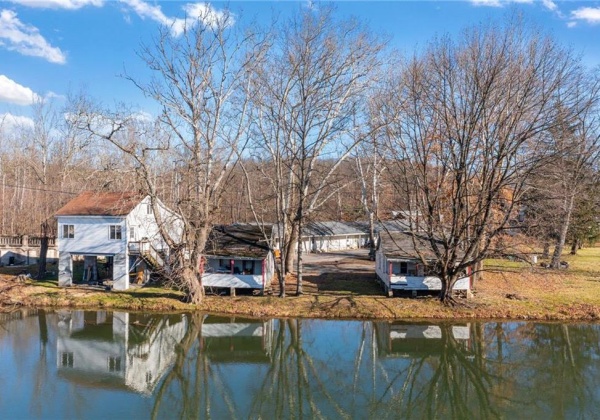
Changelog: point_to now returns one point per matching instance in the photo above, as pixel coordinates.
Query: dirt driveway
(342, 272)
(350, 262)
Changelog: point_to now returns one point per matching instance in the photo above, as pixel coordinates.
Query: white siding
(406, 282)
(145, 224)
(331, 243)
(92, 235)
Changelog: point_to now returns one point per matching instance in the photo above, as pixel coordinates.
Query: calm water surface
(75, 364)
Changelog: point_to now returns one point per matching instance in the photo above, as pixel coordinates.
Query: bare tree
(470, 119)
(316, 76)
(200, 81)
(562, 183)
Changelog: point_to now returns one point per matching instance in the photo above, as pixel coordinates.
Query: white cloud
(203, 12)
(10, 122)
(53, 95)
(26, 39)
(590, 15)
(491, 3)
(500, 3)
(59, 4)
(14, 93)
(550, 5)
(207, 14)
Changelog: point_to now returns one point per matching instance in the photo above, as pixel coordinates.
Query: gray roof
(392, 226)
(238, 240)
(405, 245)
(334, 229)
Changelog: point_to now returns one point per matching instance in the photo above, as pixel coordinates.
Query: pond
(75, 364)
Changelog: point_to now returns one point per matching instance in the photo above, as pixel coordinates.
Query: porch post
(65, 269)
(231, 262)
(263, 274)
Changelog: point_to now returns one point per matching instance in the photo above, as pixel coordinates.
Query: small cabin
(399, 267)
(238, 257)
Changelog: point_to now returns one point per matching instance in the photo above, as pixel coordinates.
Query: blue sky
(51, 47)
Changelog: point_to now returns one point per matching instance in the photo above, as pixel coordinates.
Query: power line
(38, 189)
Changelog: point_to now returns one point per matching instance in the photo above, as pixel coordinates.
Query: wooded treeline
(486, 137)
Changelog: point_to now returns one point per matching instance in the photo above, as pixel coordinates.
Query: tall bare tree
(200, 81)
(317, 75)
(562, 182)
(470, 120)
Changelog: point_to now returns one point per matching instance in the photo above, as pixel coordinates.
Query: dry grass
(348, 289)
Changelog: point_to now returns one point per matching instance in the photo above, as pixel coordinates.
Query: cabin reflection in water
(118, 349)
(236, 340)
(397, 339)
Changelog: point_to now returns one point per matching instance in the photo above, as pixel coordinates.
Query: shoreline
(508, 291)
(342, 307)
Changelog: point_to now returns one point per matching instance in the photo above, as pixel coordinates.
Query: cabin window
(148, 208)
(132, 233)
(68, 231)
(403, 268)
(115, 232)
(114, 364)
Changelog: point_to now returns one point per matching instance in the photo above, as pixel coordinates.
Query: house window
(68, 231)
(132, 233)
(66, 359)
(148, 208)
(115, 232)
(114, 364)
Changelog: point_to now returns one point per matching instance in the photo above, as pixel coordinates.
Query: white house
(238, 257)
(118, 228)
(133, 353)
(399, 268)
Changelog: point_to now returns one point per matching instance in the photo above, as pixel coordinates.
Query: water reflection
(236, 340)
(117, 350)
(196, 365)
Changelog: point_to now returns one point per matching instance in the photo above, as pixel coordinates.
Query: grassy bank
(509, 290)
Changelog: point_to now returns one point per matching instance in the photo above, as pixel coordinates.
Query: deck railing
(11, 240)
(24, 241)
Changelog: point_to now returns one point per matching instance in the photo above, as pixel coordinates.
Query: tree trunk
(372, 244)
(546, 251)
(280, 279)
(560, 244)
(291, 249)
(195, 292)
(447, 284)
(299, 262)
(574, 246)
(42, 260)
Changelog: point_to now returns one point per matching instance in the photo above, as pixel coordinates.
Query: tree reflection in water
(218, 367)
(412, 371)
